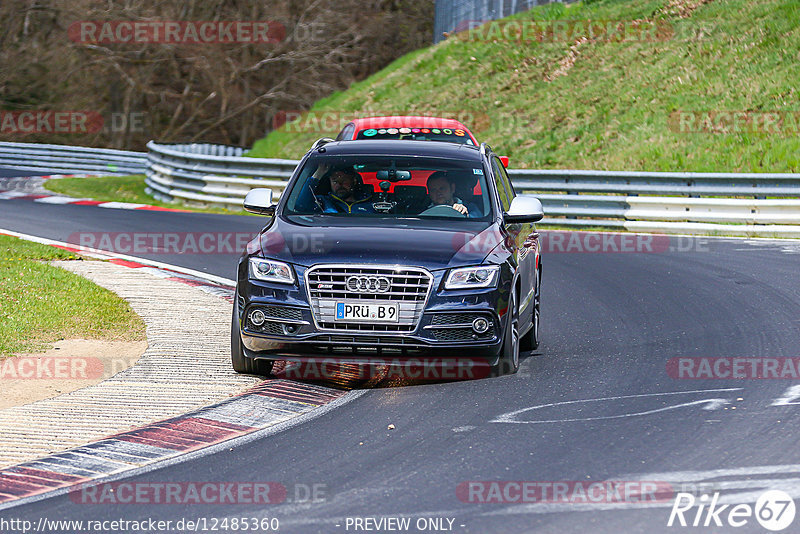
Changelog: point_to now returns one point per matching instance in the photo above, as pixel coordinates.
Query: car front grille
(408, 287)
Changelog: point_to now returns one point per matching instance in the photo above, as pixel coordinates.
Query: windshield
(390, 186)
(418, 134)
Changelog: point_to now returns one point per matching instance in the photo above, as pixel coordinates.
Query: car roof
(407, 121)
(398, 147)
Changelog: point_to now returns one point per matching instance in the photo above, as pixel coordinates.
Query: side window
(506, 179)
(502, 188)
(347, 133)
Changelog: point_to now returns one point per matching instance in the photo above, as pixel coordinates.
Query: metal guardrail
(460, 15)
(727, 203)
(675, 202)
(71, 159)
(208, 174)
(211, 174)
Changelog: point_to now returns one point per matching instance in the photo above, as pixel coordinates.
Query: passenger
(441, 190)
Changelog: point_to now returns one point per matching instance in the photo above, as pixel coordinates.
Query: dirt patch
(683, 8)
(675, 8)
(69, 365)
(568, 61)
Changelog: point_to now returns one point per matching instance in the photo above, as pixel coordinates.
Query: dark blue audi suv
(390, 248)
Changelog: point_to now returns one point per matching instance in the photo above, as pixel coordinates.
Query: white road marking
(103, 254)
(121, 205)
(59, 200)
(696, 482)
(787, 246)
(710, 404)
(7, 195)
(789, 397)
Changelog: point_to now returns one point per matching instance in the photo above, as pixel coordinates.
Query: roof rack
(321, 141)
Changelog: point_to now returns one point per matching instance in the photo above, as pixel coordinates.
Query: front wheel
(509, 355)
(241, 363)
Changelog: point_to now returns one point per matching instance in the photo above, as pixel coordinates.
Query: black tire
(530, 341)
(241, 363)
(509, 354)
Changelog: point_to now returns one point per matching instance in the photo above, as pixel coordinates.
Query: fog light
(290, 329)
(257, 317)
(480, 325)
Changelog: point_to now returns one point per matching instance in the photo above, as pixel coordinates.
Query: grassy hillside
(601, 103)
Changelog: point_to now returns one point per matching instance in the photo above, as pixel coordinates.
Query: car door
(523, 236)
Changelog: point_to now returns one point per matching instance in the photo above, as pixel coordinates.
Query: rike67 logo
(774, 510)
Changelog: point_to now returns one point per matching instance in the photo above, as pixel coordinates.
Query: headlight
(271, 271)
(472, 277)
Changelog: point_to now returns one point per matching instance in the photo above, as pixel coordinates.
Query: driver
(347, 192)
(441, 190)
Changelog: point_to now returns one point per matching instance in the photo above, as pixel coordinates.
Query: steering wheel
(443, 210)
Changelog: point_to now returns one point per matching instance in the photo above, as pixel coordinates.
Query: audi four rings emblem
(368, 284)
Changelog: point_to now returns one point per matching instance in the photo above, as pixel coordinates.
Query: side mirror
(259, 201)
(524, 209)
(504, 161)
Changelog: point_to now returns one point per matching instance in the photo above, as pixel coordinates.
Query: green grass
(121, 189)
(612, 109)
(41, 304)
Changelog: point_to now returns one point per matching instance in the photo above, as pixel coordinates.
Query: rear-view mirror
(393, 175)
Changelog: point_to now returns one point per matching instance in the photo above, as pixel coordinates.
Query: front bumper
(443, 330)
(433, 340)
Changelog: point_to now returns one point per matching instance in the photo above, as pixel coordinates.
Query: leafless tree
(217, 92)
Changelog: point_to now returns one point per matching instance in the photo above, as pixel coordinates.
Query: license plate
(378, 313)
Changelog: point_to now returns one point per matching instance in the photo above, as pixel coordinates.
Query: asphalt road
(611, 322)
(11, 172)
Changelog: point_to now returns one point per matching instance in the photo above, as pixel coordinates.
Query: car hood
(421, 243)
